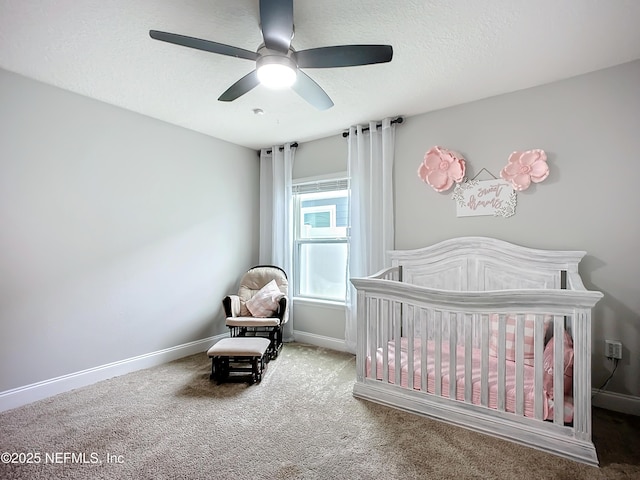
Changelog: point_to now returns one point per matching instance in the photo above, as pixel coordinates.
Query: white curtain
(276, 227)
(370, 166)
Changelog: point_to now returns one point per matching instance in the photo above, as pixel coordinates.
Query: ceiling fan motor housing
(276, 69)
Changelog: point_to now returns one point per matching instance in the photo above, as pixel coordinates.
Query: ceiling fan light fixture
(276, 71)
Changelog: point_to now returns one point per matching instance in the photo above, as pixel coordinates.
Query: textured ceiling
(445, 53)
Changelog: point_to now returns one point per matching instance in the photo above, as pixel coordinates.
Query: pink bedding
(547, 406)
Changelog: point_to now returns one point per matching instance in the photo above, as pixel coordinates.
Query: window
(321, 211)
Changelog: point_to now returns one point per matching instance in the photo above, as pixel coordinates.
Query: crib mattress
(510, 400)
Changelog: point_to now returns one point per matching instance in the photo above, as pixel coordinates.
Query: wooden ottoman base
(238, 359)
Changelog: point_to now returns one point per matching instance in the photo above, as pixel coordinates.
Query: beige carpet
(300, 422)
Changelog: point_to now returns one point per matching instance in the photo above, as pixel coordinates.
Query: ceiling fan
(277, 63)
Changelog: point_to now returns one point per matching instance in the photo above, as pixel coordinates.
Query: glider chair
(261, 307)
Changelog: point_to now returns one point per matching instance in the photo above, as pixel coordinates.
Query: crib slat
(501, 362)
(484, 373)
(538, 346)
(558, 369)
(373, 327)
(468, 359)
(383, 316)
(385, 312)
(397, 337)
(520, 320)
(363, 314)
(438, 352)
(424, 319)
(409, 311)
(453, 364)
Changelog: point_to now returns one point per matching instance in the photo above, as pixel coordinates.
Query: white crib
(481, 325)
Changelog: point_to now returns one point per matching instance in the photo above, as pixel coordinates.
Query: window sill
(316, 302)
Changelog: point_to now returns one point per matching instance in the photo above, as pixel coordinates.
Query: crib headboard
(482, 263)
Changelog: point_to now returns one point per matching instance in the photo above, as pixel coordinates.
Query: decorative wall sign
(485, 197)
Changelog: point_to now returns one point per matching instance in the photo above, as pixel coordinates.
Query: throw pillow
(265, 302)
(547, 364)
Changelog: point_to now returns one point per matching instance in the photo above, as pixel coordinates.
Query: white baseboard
(320, 341)
(617, 402)
(37, 391)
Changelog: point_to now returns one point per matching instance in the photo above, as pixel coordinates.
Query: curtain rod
(398, 120)
(268, 152)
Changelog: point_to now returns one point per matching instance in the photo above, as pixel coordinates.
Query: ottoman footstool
(244, 355)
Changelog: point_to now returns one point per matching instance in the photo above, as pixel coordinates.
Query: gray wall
(115, 238)
(589, 128)
(321, 157)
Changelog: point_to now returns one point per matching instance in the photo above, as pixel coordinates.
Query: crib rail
(391, 273)
(410, 338)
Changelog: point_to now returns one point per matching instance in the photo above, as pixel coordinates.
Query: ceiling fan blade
(200, 44)
(242, 86)
(344, 56)
(276, 22)
(311, 92)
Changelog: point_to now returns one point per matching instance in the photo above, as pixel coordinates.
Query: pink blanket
(547, 406)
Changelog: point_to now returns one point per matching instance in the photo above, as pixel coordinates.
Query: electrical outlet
(613, 349)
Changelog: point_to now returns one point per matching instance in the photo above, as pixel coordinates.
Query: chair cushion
(240, 347)
(252, 322)
(264, 303)
(255, 279)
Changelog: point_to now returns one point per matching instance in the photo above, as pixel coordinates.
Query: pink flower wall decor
(526, 167)
(440, 168)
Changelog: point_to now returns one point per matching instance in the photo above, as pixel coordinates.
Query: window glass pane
(322, 270)
(317, 219)
(323, 214)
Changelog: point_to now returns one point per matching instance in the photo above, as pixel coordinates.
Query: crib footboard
(514, 364)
